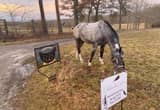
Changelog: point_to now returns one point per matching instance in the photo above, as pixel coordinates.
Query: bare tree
(120, 13)
(25, 14)
(13, 11)
(123, 4)
(138, 6)
(16, 11)
(73, 7)
(58, 17)
(97, 4)
(76, 18)
(90, 10)
(43, 19)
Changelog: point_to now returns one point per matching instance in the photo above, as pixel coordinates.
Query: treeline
(132, 13)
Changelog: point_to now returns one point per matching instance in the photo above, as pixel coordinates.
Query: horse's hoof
(81, 59)
(89, 64)
(101, 61)
(77, 57)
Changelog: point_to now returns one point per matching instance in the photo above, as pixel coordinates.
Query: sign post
(47, 55)
(113, 90)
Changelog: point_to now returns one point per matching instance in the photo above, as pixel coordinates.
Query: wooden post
(6, 27)
(122, 105)
(33, 26)
(0, 30)
(128, 22)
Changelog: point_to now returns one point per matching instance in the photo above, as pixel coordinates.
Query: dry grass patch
(78, 86)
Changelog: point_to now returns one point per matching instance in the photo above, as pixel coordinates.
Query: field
(78, 86)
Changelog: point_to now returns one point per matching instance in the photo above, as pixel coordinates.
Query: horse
(99, 33)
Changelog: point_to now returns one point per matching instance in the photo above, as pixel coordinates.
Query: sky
(154, 1)
(32, 8)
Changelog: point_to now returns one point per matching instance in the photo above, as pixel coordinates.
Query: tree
(120, 13)
(43, 19)
(151, 15)
(94, 7)
(82, 8)
(13, 11)
(123, 6)
(90, 11)
(58, 17)
(72, 8)
(25, 14)
(97, 4)
(138, 6)
(76, 18)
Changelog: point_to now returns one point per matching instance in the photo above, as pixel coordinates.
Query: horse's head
(117, 59)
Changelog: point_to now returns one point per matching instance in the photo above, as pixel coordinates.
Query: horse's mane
(113, 30)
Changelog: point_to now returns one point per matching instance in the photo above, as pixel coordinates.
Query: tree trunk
(43, 19)
(6, 27)
(33, 26)
(89, 14)
(128, 22)
(76, 18)
(120, 15)
(97, 10)
(58, 17)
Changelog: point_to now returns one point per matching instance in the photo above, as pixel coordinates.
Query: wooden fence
(33, 28)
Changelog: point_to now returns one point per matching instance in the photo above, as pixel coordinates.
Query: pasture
(78, 86)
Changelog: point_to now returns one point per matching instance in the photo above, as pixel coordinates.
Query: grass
(78, 87)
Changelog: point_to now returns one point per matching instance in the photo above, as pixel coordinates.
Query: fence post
(128, 22)
(6, 27)
(33, 26)
(0, 30)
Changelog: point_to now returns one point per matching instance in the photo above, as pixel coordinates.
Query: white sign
(113, 90)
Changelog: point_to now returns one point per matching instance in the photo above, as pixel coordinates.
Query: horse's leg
(92, 54)
(101, 54)
(79, 44)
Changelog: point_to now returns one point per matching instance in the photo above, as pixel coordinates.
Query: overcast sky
(154, 1)
(32, 6)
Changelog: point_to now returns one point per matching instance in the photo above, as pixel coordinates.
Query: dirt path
(12, 70)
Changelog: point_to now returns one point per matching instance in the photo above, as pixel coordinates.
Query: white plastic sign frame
(113, 90)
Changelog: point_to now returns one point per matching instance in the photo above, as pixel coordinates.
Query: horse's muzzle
(120, 68)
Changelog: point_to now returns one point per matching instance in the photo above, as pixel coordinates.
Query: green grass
(78, 86)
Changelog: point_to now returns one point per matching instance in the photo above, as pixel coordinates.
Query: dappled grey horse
(99, 34)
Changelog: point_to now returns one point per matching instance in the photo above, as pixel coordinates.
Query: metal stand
(50, 78)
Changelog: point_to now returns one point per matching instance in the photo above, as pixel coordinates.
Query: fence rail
(18, 29)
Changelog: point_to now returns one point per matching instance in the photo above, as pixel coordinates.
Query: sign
(47, 55)
(113, 90)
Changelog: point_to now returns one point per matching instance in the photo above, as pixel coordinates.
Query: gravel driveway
(12, 72)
